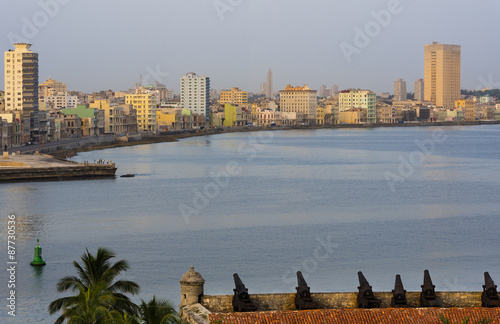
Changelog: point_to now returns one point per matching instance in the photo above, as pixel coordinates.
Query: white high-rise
(21, 82)
(195, 93)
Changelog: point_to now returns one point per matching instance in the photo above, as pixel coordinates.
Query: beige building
(21, 83)
(419, 90)
(115, 120)
(235, 96)
(353, 116)
(145, 106)
(300, 100)
(365, 99)
(51, 87)
(442, 74)
(400, 90)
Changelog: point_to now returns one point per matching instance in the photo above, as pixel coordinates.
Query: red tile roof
(360, 316)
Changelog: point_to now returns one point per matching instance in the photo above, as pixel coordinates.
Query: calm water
(326, 202)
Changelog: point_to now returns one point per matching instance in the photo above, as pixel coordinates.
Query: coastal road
(39, 146)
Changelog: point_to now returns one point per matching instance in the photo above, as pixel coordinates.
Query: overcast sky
(94, 45)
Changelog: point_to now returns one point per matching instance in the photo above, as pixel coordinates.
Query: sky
(97, 45)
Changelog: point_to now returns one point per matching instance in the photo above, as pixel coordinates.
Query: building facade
(300, 100)
(366, 99)
(51, 87)
(145, 106)
(442, 74)
(195, 94)
(419, 90)
(21, 83)
(235, 96)
(400, 90)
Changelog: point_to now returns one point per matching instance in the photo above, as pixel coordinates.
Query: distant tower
(191, 288)
(419, 90)
(334, 89)
(400, 90)
(269, 84)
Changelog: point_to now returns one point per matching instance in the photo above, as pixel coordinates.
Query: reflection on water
(298, 188)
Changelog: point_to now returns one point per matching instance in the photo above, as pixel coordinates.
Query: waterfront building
(51, 87)
(468, 108)
(442, 74)
(21, 83)
(353, 116)
(419, 90)
(235, 96)
(400, 90)
(300, 100)
(195, 94)
(235, 116)
(144, 104)
(365, 99)
(165, 118)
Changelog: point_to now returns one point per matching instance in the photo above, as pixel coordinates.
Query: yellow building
(51, 87)
(235, 96)
(353, 116)
(320, 115)
(114, 116)
(468, 109)
(301, 100)
(145, 105)
(442, 74)
(165, 120)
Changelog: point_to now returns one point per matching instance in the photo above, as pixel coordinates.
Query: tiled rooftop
(360, 316)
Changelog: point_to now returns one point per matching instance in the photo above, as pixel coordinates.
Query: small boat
(128, 175)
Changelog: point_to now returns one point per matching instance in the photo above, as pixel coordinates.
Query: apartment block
(300, 100)
(195, 94)
(365, 99)
(235, 96)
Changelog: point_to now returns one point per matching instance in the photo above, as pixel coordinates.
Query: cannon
(366, 299)
(428, 296)
(303, 298)
(489, 297)
(241, 299)
(398, 294)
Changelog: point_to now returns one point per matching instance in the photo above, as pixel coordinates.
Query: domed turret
(191, 287)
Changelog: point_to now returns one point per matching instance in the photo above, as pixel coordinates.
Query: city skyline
(359, 52)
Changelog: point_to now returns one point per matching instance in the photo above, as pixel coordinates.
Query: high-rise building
(442, 74)
(269, 84)
(195, 94)
(334, 89)
(364, 99)
(300, 100)
(21, 83)
(400, 90)
(419, 90)
(51, 87)
(322, 91)
(235, 96)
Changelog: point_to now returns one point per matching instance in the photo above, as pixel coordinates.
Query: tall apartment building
(442, 74)
(419, 90)
(145, 105)
(51, 87)
(300, 100)
(21, 83)
(364, 99)
(400, 90)
(235, 96)
(269, 85)
(195, 94)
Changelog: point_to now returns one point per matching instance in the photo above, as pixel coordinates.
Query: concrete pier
(45, 167)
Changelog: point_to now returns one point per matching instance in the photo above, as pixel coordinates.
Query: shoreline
(174, 136)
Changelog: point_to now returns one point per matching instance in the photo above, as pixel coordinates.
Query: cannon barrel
(364, 287)
(398, 294)
(240, 289)
(303, 298)
(489, 287)
(428, 288)
(302, 287)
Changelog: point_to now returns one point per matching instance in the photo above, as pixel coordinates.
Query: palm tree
(96, 273)
(158, 311)
(464, 321)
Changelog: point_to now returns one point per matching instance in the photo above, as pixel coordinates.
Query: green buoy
(37, 260)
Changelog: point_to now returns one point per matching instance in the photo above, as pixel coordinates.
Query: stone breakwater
(17, 167)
